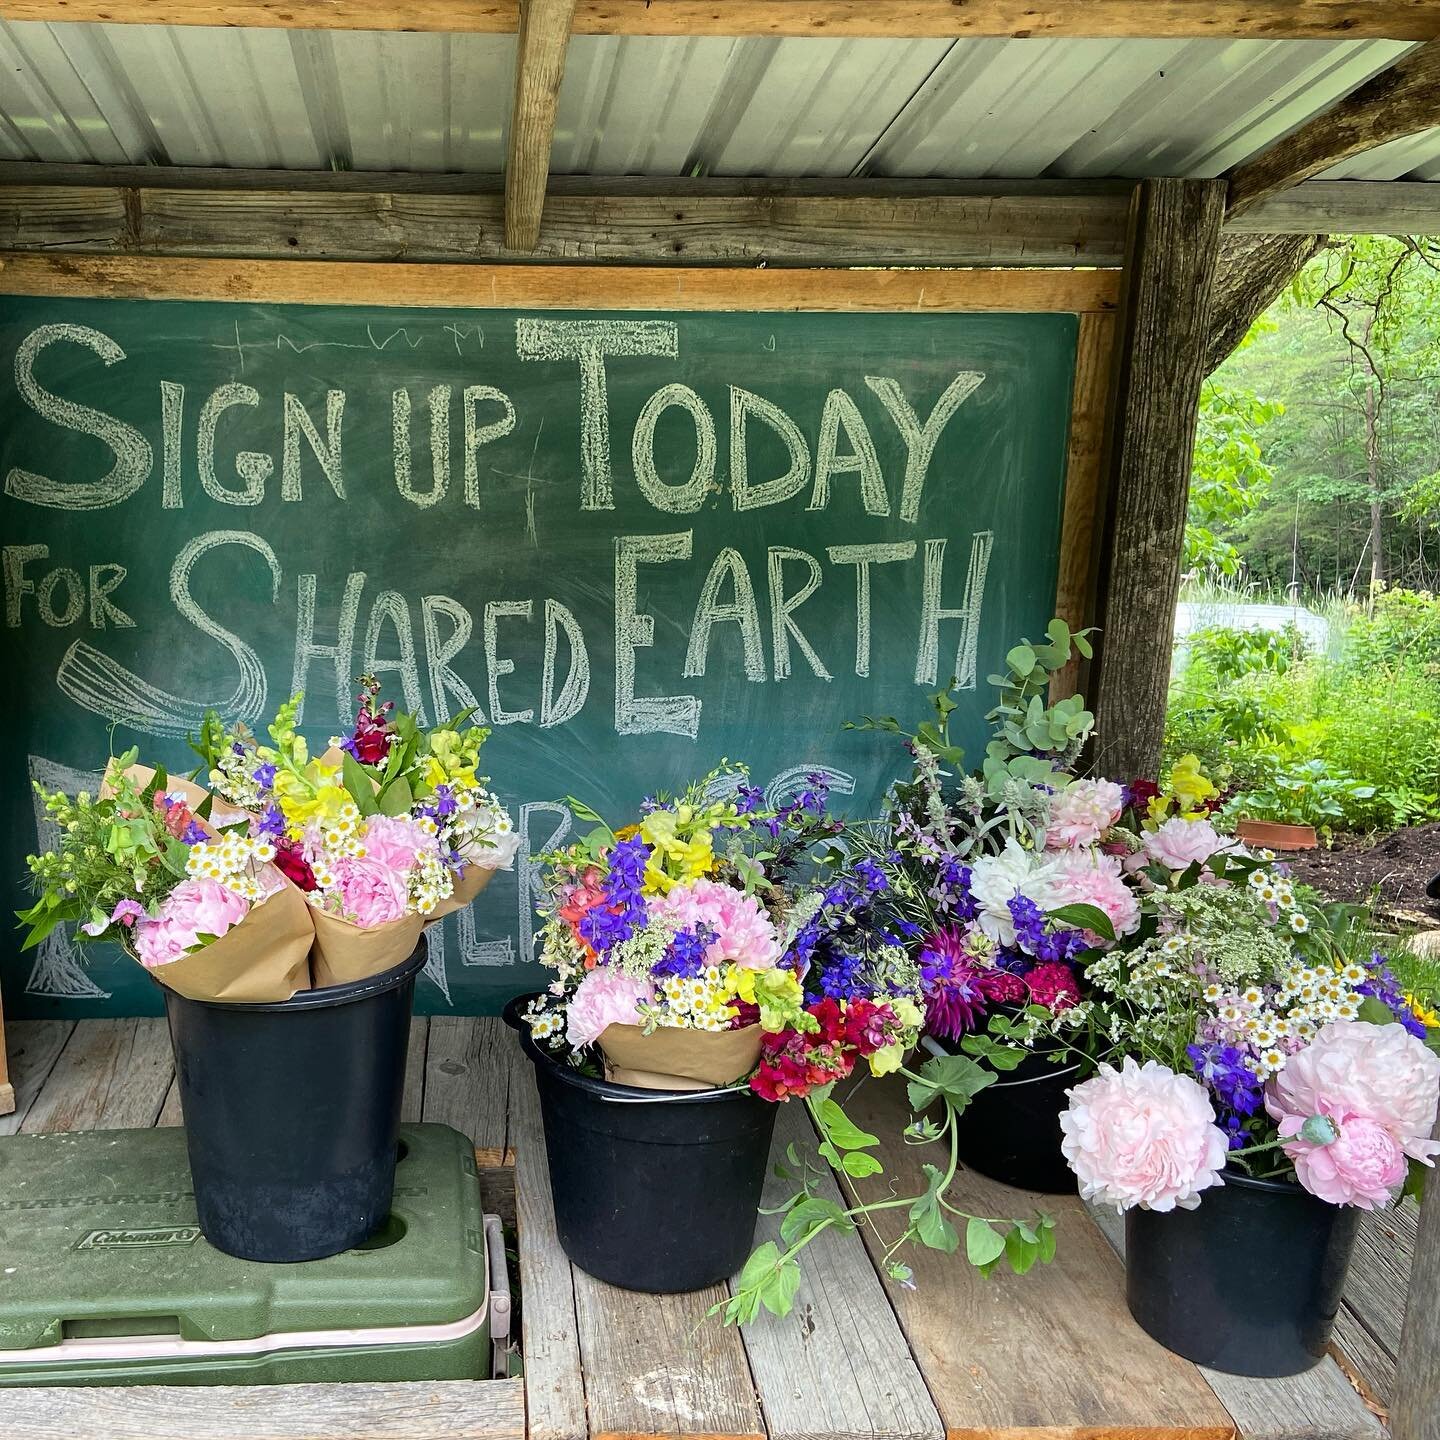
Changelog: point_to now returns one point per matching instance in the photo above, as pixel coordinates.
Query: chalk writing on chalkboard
(633, 544)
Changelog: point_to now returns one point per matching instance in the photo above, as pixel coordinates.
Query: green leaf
(1085, 917)
(1047, 1239)
(1375, 1012)
(859, 1164)
(359, 785)
(763, 1259)
(396, 798)
(778, 1290)
(957, 1077)
(1021, 659)
(839, 1129)
(1020, 1252)
(810, 1214)
(983, 1243)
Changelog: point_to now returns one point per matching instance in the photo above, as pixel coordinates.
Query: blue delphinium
(685, 955)
(623, 912)
(1383, 986)
(1223, 1069)
(1034, 938)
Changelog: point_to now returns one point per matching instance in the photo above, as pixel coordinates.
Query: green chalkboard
(638, 542)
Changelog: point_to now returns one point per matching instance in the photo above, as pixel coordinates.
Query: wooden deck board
(111, 1075)
(554, 1381)
(423, 1410)
(34, 1047)
(467, 1077)
(1051, 1354)
(838, 1365)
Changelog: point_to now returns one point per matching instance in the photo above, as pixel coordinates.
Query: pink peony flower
(1087, 877)
(604, 997)
(1081, 813)
(371, 892)
(395, 841)
(1180, 843)
(743, 933)
(1363, 1167)
(1143, 1135)
(1376, 1072)
(192, 909)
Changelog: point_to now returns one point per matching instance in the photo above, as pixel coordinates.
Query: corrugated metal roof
(667, 107)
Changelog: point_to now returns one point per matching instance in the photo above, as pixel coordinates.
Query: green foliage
(771, 1277)
(1258, 711)
(1228, 476)
(1309, 793)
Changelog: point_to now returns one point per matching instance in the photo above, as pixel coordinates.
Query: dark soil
(1398, 866)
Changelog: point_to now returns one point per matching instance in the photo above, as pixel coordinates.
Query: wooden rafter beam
(1400, 101)
(1157, 19)
(539, 69)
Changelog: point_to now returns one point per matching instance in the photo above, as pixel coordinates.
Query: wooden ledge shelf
(1052, 1355)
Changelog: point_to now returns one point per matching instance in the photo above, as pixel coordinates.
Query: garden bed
(1397, 866)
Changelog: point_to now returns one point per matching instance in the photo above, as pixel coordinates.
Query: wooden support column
(539, 69)
(1160, 361)
(1415, 1413)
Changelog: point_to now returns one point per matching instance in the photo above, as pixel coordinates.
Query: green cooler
(106, 1279)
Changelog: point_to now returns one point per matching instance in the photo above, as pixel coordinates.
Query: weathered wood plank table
(1052, 1355)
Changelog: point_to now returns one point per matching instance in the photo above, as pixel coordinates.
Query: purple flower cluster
(871, 876)
(956, 1002)
(1223, 1070)
(1034, 938)
(623, 913)
(1383, 986)
(685, 955)
(272, 822)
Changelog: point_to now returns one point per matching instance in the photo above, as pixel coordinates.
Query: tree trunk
(1372, 463)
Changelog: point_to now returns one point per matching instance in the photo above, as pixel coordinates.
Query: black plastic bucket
(1010, 1131)
(655, 1190)
(1249, 1282)
(292, 1111)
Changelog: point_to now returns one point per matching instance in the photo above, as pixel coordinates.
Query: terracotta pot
(1271, 835)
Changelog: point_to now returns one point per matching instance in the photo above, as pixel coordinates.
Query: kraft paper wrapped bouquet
(387, 831)
(184, 888)
(721, 942)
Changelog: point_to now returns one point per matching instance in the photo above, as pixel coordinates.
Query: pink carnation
(743, 933)
(1087, 877)
(1143, 1135)
(604, 997)
(371, 892)
(1363, 1167)
(395, 841)
(1082, 812)
(1375, 1072)
(1052, 985)
(192, 909)
(1180, 843)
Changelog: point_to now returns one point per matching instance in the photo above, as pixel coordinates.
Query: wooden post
(1160, 361)
(539, 69)
(7, 1090)
(1415, 1413)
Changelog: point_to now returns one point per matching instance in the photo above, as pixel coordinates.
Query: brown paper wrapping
(345, 951)
(670, 1058)
(263, 958)
(221, 811)
(473, 879)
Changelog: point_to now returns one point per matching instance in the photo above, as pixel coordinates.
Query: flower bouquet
(387, 831)
(1263, 1057)
(728, 953)
(146, 863)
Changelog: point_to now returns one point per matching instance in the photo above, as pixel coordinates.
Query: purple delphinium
(1383, 986)
(265, 776)
(623, 913)
(194, 833)
(685, 955)
(272, 822)
(1036, 940)
(1223, 1070)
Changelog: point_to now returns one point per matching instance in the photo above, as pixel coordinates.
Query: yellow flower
(672, 859)
(777, 993)
(1190, 786)
(1427, 1017)
(886, 1060)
